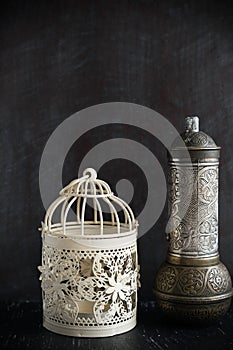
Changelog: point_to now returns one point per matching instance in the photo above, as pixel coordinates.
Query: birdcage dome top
(87, 186)
(110, 216)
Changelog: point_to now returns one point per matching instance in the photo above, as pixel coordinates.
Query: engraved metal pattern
(197, 232)
(197, 139)
(194, 313)
(193, 281)
(167, 279)
(217, 280)
(193, 285)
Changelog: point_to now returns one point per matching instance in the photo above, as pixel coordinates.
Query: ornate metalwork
(89, 272)
(197, 231)
(198, 281)
(107, 280)
(194, 313)
(193, 285)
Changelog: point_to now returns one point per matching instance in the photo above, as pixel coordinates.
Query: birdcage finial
(92, 174)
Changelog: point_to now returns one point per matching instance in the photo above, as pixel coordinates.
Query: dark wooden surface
(21, 329)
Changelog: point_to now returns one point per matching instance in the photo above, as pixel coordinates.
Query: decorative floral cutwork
(108, 280)
(114, 281)
(58, 274)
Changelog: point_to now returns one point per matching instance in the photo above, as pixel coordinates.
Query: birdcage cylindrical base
(89, 285)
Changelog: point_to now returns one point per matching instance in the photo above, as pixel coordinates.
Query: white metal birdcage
(89, 272)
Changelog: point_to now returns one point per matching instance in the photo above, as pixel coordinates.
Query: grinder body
(193, 285)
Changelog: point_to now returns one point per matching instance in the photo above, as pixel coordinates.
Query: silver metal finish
(197, 232)
(192, 284)
(192, 124)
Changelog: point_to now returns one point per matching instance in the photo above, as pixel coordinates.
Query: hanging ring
(92, 174)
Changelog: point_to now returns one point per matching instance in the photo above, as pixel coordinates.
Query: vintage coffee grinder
(193, 285)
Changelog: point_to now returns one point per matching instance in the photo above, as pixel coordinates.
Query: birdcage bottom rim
(89, 332)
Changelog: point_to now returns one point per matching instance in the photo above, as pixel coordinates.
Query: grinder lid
(195, 138)
(198, 143)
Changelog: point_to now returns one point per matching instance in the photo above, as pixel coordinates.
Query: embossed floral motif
(189, 231)
(58, 272)
(167, 279)
(53, 284)
(112, 286)
(107, 279)
(192, 281)
(199, 139)
(179, 238)
(174, 179)
(118, 287)
(205, 227)
(217, 280)
(209, 234)
(180, 194)
(208, 243)
(208, 185)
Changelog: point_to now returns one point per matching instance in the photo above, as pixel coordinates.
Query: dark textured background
(59, 57)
